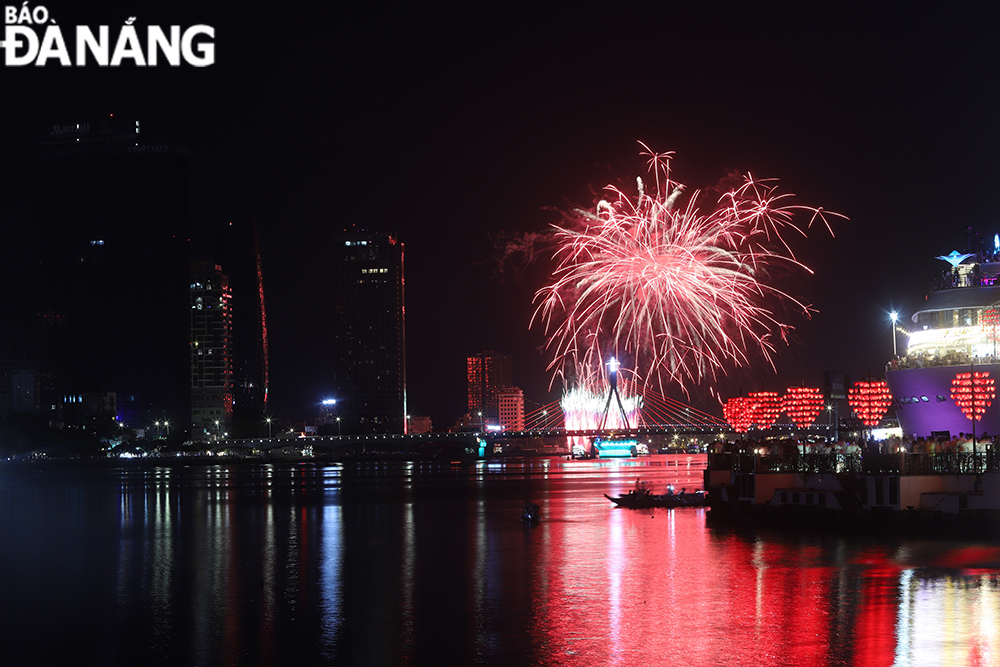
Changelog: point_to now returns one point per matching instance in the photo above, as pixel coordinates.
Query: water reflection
(948, 620)
(331, 588)
(424, 563)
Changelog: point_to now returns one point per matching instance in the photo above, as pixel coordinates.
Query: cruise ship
(955, 331)
(954, 334)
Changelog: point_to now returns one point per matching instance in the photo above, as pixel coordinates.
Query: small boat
(531, 515)
(641, 498)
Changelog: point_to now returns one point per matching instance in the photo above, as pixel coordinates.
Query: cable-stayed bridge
(663, 419)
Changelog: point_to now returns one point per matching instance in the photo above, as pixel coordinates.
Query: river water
(396, 563)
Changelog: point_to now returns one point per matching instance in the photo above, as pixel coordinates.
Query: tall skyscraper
(237, 251)
(211, 352)
(368, 371)
(112, 288)
(487, 373)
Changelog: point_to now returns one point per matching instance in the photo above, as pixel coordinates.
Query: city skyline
(457, 139)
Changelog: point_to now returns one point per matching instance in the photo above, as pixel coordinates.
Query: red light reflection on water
(874, 632)
(435, 580)
(615, 594)
(658, 587)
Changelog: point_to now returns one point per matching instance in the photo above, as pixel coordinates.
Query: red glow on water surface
(967, 558)
(874, 632)
(640, 593)
(428, 564)
(658, 587)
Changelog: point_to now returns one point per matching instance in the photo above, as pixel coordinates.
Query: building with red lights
(211, 352)
(511, 408)
(237, 251)
(486, 374)
(419, 425)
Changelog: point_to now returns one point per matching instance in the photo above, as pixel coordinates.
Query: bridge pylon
(613, 367)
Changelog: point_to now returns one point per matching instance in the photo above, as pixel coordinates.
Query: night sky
(451, 125)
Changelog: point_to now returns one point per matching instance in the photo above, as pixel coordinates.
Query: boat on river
(641, 498)
(955, 330)
(926, 493)
(531, 515)
(953, 344)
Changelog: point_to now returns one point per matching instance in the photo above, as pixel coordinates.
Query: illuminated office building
(368, 373)
(211, 352)
(486, 374)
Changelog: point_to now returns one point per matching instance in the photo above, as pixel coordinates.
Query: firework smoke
(682, 293)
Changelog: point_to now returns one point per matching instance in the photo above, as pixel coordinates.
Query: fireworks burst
(683, 293)
(584, 410)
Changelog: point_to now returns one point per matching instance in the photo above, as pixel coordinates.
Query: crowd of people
(787, 447)
(951, 358)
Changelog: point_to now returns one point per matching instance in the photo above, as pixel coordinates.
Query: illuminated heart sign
(973, 392)
(737, 413)
(802, 405)
(869, 399)
(765, 406)
(990, 322)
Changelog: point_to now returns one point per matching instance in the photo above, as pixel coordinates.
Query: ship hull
(922, 397)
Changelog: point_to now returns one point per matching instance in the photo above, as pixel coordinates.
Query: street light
(157, 430)
(893, 316)
(268, 420)
(217, 429)
(328, 407)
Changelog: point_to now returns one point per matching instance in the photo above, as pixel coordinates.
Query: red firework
(802, 405)
(870, 399)
(973, 392)
(681, 292)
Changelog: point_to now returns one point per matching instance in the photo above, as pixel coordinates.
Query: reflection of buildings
(368, 371)
(487, 373)
(111, 221)
(238, 253)
(211, 356)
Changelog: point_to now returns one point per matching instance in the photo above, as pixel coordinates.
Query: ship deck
(903, 463)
